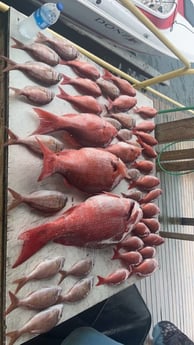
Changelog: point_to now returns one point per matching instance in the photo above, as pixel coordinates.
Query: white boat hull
(111, 21)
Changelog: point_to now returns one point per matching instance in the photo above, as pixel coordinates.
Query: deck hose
(158, 160)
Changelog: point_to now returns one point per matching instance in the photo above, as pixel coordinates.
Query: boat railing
(140, 85)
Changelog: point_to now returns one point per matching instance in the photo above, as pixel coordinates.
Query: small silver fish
(36, 95)
(39, 71)
(39, 52)
(64, 49)
(46, 201)
(42, 322)
(79, 291)
(79, 269)
(43, 270)
(108, 88)
(37, 300)
(31, 142)
(114, 122)
(126, 120)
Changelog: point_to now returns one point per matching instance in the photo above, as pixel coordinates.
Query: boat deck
(169, 292)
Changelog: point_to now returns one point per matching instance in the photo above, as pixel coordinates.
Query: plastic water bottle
(42, 18)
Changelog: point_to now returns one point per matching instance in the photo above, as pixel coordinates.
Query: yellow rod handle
(3, 7)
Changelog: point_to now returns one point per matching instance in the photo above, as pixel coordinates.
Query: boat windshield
(162, 6)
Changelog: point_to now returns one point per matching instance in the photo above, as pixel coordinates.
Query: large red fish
(91, 170)
(101, 220)
(86, 129)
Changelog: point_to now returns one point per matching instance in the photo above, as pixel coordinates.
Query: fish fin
(41, 38)
(115, 255)
(20, 283)
(14, 335)
(10, 64)
(48, 161)
(107, 75)
(14, 303)
(109, 107)
(18, 199)
(101, 280)
(16, 90)
(65, 80)
(18, 44)
(71, 140)
(33, 240)
(48, 121)
(63, 95)
(63, 274)
(13, 138)
(132, 185)
(111, 194)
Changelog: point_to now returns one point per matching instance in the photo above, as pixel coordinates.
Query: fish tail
(48, 121)
(41, 38)
(49, 158)
(62, 94)
(18, 44)
(132, 185)
(10, 64)
(33, 240)
(13, 138)
(16, 90)
(20, 283)
(17, 199)
(14, 335)
(101, 280)
(116, 254)
(109, 107)
(63, 274)
(14, 303)
(65, 80)
(107, 75)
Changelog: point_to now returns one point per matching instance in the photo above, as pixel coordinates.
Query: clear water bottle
(41, 19)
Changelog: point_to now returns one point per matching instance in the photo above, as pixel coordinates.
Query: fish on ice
(86, 129)
(42, 322)
(87, 104)
(38, 51)
(64, 49)
(114, 278)
(124, 86)
(36, 95)
(31, 143)
(38, 71)
(83, 69)
(91, 170)
(46, 201)
(83, 85)
(79, 269)
(100, 220)
(45, 269)
(36, 300)
(78, 291)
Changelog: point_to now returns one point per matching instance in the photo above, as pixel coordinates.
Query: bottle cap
(60, 6)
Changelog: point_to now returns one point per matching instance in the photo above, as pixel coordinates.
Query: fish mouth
(135, 214)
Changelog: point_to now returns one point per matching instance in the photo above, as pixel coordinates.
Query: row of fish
(103, 155)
